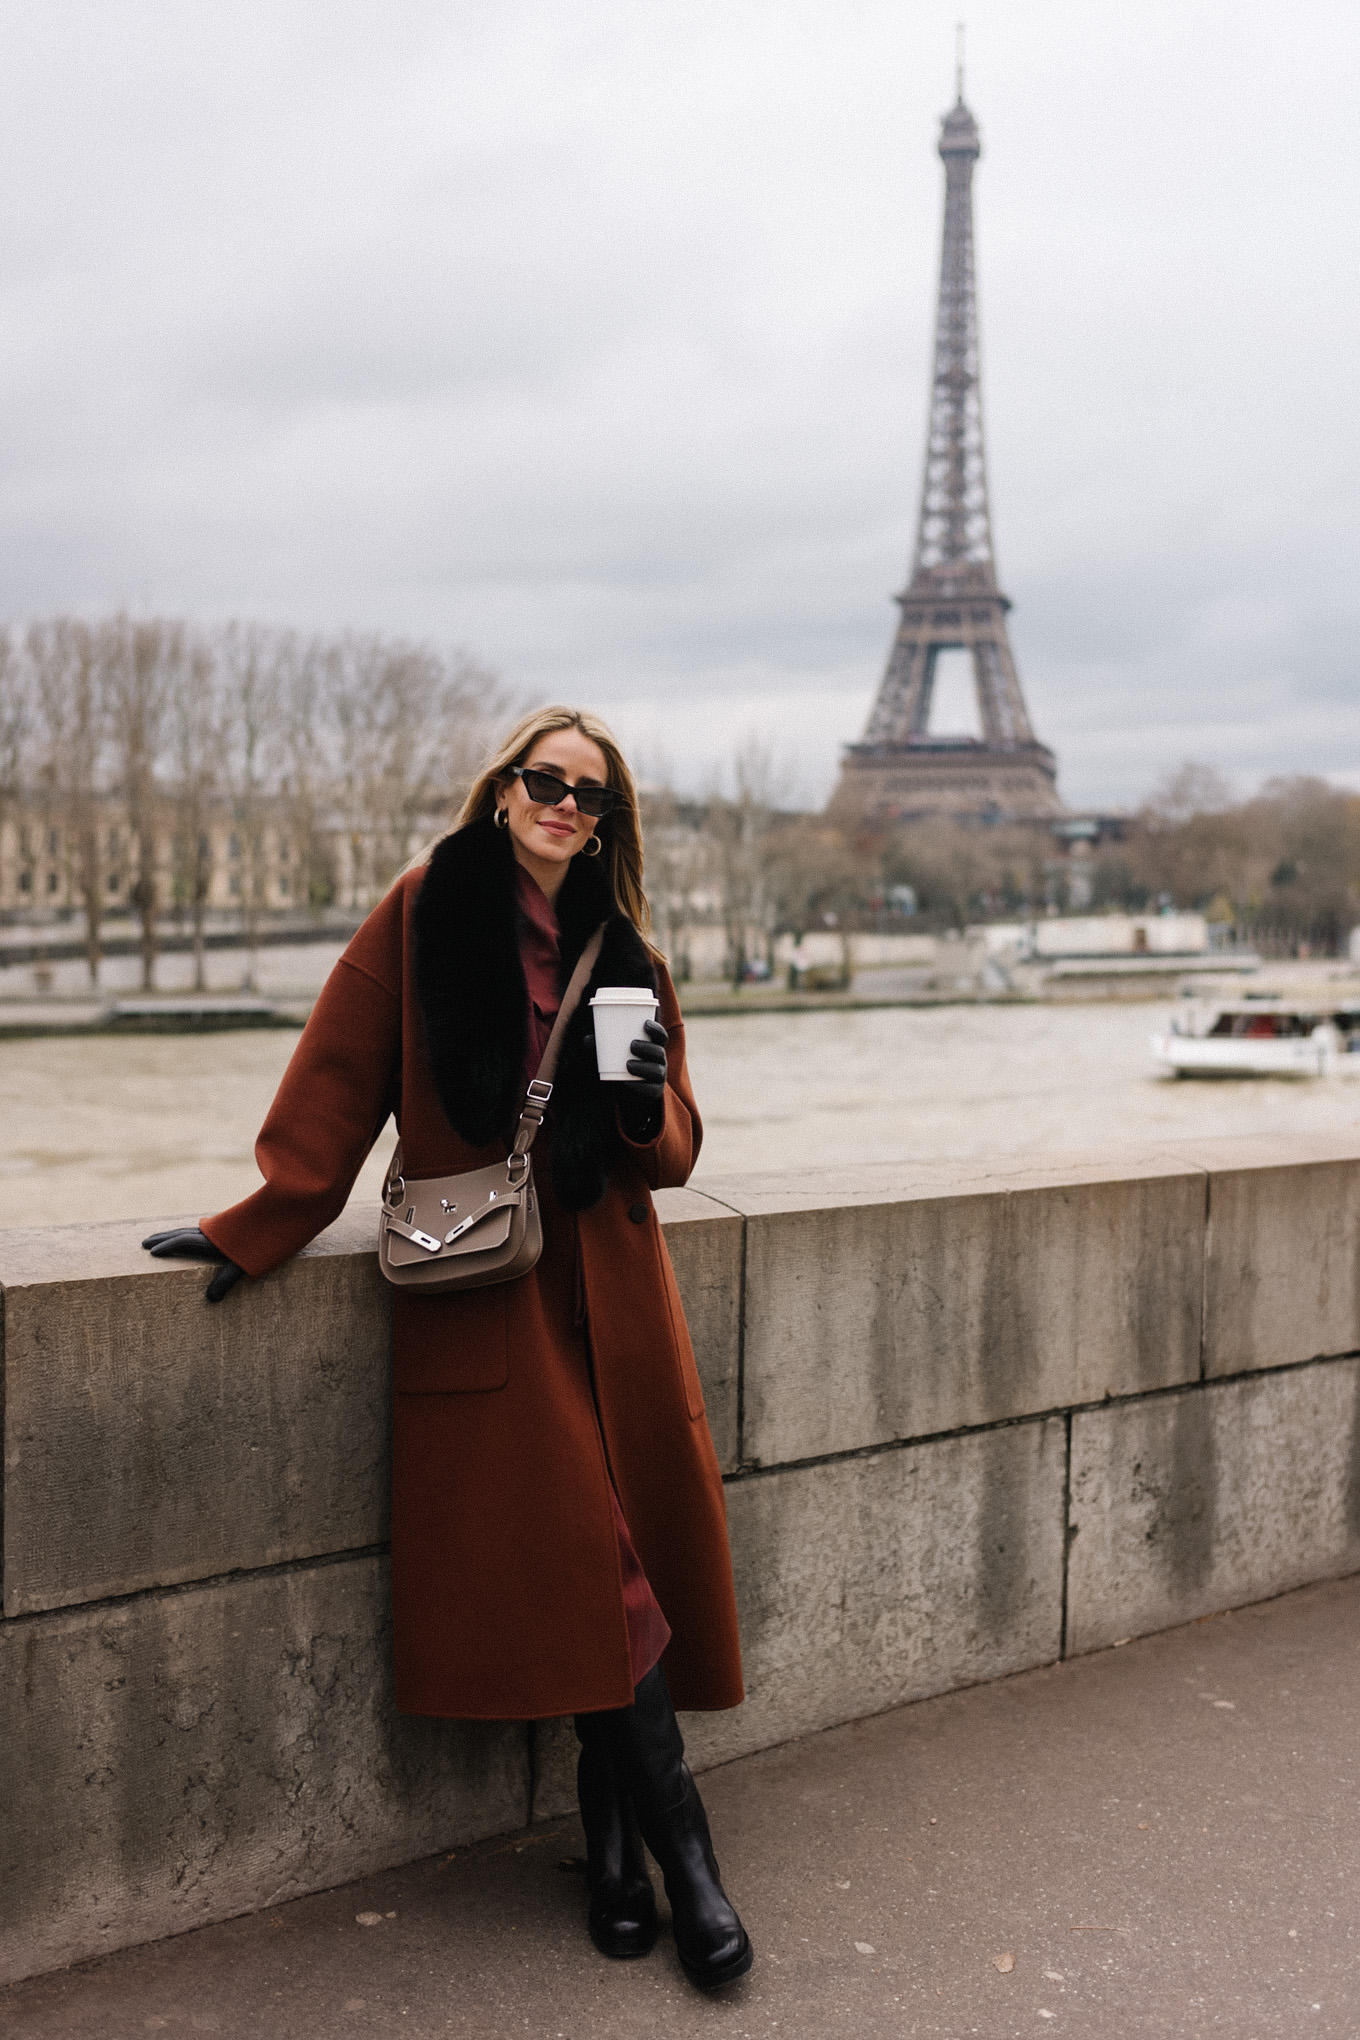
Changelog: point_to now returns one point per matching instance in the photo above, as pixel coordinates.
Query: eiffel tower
(899, 771)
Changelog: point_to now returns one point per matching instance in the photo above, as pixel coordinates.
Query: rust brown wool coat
(507, 1596)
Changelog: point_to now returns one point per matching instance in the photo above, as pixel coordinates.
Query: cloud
(597, 339)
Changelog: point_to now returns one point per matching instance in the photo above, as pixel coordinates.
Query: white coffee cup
(618, 1012)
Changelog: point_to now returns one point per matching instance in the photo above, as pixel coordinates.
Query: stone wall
(972, 1420)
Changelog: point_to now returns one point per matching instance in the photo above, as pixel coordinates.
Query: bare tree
(1190, 790)
(680, 868)
(402, 688)
(152, 724)
(197, 737)
(138, 660)
(63, 656)
(251, 663)
(740, 828)
(962, 873)
(15, 726)
(410, 727)
(814, 879)
(306, 785)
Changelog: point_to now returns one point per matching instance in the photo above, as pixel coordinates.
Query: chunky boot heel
(622, 1918)
(713, 1945)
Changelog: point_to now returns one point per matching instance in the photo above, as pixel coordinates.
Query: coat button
(638, 1213)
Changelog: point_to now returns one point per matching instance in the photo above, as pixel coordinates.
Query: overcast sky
(595, 337)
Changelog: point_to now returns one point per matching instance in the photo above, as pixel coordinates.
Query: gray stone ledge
(152, 1439)
(951, 1303)
(1231, 1492)
(1282, 1265)
(201, 1752)
(877, 1580)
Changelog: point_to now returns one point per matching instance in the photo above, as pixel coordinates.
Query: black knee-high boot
(649, 1755)
(622, 1918)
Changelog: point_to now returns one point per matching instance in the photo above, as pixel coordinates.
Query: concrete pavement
(1158, 1840)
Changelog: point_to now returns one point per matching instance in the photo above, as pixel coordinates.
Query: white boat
(1263, 1034)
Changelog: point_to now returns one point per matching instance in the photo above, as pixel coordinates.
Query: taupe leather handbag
(439, 1233)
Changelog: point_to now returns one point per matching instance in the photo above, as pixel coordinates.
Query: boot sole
(714, 1979)
(632, 1951)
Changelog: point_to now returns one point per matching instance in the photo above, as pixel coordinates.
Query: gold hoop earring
(591, 847)
(500, 819)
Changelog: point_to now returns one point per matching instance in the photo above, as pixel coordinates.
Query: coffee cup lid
(623, 995)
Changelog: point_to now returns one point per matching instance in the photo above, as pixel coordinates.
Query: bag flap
(492, 1231)
(436, 1205)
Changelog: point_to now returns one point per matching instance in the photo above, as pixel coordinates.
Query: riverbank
(174, 1013)
(35, 1019)
(155, 1125)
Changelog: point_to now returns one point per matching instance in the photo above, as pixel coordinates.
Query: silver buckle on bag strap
(415, 1234)
(531, 1117)
(476, 1217)
(535, 1106)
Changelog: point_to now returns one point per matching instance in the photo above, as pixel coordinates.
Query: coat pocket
(450, 1345)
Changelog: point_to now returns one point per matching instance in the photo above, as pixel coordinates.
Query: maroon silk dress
(540, 953)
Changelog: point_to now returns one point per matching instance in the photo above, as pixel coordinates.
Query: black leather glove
(187, 1243)
(641, 1105)
(647, 1062)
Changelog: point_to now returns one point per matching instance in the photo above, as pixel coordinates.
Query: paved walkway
(1160, 1840)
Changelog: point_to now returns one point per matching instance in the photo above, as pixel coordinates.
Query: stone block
(704, 1241)
(885, 1302)
(150, 1438)
(869, 1582)
(187, 1755)
(1282, 1267)
(554, 1748)
(1189, 1503)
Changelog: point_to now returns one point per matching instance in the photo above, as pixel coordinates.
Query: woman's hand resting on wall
(187, 1243)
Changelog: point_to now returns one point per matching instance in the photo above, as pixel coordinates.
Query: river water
(164, 1125)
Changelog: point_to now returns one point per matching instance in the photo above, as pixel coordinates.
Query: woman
(559, 1541)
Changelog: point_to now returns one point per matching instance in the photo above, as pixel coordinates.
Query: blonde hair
(620, 832)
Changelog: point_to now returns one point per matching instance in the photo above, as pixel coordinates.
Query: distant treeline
(1281, 869)
(138, 755)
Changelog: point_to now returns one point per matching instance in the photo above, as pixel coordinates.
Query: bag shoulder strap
(540, 1090)
(571, 999)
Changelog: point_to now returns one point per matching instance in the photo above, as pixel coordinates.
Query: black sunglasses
(547, 790)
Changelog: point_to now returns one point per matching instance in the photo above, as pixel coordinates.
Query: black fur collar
(474, 1002)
